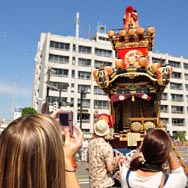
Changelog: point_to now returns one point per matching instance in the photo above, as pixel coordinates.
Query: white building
(17, 112)
(55, 66)
(174, 106)
(54, 78)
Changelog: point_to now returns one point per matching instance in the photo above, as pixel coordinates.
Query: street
(82, 174)
(82, 171)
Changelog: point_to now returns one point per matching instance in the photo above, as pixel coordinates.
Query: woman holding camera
(32, 154)
(149, 165)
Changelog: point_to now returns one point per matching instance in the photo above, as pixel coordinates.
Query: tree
(181, 135)
(28, 110)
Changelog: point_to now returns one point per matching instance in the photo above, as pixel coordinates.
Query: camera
(66, 120)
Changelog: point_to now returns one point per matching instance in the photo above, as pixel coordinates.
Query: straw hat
(101, 128)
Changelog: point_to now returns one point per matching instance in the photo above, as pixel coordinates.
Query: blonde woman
(32, 154)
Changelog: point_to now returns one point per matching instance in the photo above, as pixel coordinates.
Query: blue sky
(22, 21)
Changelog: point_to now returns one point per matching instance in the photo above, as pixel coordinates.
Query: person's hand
(123, 162)
(72, 142)
(55, 114)
(117, 175)
(117, 158)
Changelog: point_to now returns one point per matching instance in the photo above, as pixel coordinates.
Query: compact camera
(66, 120)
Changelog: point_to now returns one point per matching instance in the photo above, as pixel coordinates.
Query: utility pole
(81, 100)
(47, 100)
(13, 97)
(62, 87)
(60, 101)
(75, 110)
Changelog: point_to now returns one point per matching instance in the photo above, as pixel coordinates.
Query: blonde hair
(31, 154)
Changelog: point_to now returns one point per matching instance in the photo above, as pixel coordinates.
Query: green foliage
(28, 110)
(181, 135)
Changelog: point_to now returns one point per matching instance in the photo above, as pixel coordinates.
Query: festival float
(134, 85)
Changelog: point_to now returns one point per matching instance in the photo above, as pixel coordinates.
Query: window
(177, 109)
(58, 59)
(85, 117)
(185, 65)
(59, 45)
(98, 91)
(85, 88)
(84, 62)
(177, 122)
(103, 53)
(99, 64)
(176, 97)
(176, 75)
(158, 60)
(104, 38)
(164, 96)
(164, 120)
(59, 72)
(186, 87)
(82, 75)
(164, 108)
(83, 49)
(85, 103)
(186, 76)
(177, 86)
(99, 104)
(174, 64)
(55, 99)
(60, 85)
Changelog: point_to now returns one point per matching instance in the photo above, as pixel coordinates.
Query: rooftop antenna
(89, 31)
(75, 109)
(101, 28)
(13, 97)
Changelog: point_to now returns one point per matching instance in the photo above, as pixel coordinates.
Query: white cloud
(19, 91)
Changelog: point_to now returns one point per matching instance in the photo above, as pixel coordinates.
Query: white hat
(101, 128)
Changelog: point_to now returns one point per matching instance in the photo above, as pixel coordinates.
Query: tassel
(133, 98)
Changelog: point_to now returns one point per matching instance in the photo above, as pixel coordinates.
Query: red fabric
(122, 52)
(129, 9)
(109, 117)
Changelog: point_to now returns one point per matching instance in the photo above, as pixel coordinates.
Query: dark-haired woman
(148, 166)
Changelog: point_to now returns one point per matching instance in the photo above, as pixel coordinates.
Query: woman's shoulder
(177, 180)
(137, 180)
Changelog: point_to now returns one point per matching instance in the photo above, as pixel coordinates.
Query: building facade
(174, 104)
(54, 80)
(17, 112)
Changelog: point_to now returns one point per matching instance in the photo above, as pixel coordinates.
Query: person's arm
(71, 146)
(112, 166)
(72, 143)
(173, 162)
(177, 177)
(70, 174)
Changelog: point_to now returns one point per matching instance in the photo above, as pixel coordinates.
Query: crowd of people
(36, 153)
(151, 165)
